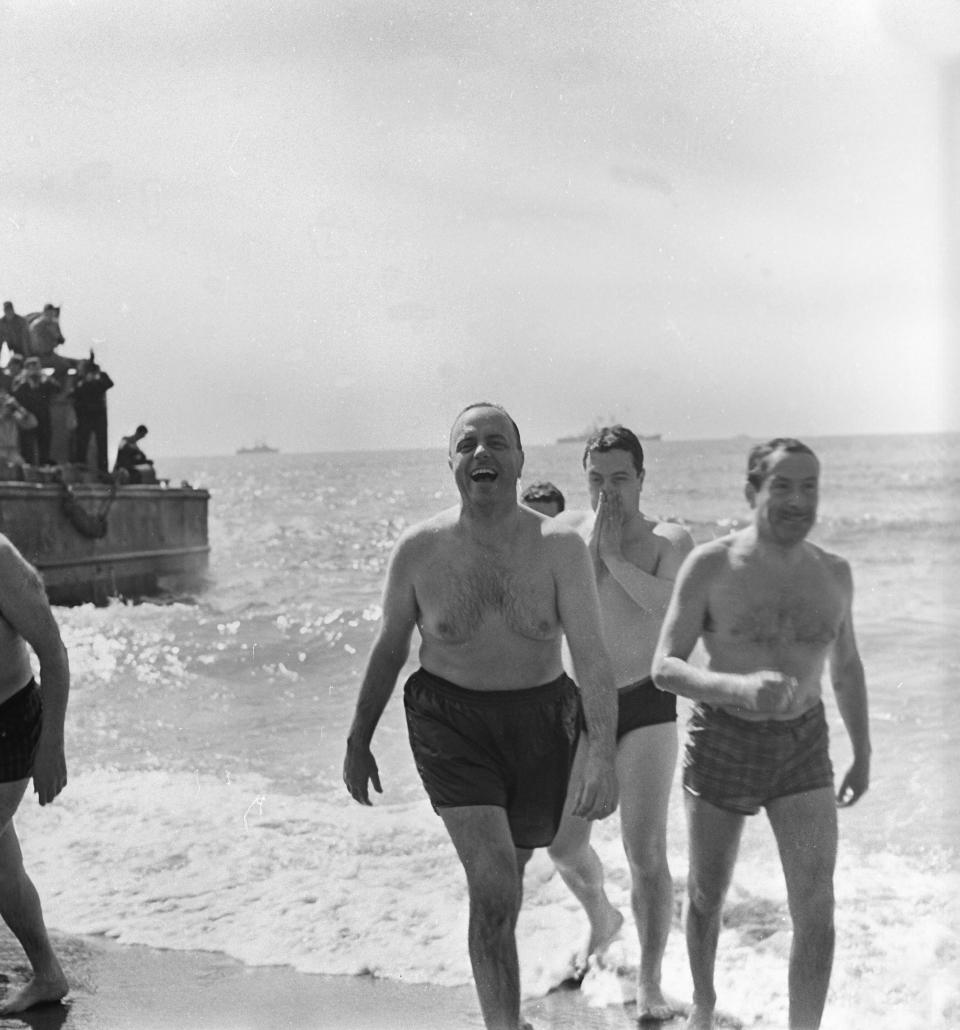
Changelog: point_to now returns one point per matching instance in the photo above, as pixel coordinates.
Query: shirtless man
(771, 609)
(635, 561)
(31, 743)
(493, 720)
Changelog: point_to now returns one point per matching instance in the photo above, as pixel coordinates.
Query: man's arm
(765, 690)
(850, 687)
(25, 606)
(579, 609)
(389, 652)
(649, 591)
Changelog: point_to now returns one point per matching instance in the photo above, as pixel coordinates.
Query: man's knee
(812, 914)
(705, 896)
(647, 857)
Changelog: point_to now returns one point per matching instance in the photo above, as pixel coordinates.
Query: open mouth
(483, 475)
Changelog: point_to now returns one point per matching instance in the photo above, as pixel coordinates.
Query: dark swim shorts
(20, 719)
(742, 765)
(642, 704)
(509, 748)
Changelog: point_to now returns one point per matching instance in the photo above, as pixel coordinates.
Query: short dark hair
(546, 492)
(615, 438)
(142, 430)
(497, 407)
(758, 460)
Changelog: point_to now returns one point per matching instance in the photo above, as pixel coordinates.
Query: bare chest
(460, 598)
(779, 615)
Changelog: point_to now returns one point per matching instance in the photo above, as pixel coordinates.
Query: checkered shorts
(742, 765)
(21, 717)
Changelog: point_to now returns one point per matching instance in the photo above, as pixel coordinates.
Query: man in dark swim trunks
(635, 560)
(771, 609)
(492, 588)
(31, 743)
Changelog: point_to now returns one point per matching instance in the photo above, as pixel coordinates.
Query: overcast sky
(332, 224)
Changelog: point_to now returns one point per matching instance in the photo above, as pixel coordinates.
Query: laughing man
(493, 720)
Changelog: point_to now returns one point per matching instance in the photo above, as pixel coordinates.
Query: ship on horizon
(258, 448)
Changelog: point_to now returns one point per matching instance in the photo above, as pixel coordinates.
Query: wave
(226, 864)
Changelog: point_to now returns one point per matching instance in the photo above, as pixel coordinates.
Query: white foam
(191, 861)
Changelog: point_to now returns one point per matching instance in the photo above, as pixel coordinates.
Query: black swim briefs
(509, 748)
(21, 717)
(642, 704)
(742, 765)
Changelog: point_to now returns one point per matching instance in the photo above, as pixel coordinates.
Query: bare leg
(645, 762)
(494, 869)
(714, 838)
(580, 868)
(20, 909)
(805, 826)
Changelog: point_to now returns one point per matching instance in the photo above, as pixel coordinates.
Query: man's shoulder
(574, 518)
(674, 533)
(429, 531)
(713, 556)
(833, 564)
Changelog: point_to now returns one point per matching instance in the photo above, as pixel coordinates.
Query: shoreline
(117, 986)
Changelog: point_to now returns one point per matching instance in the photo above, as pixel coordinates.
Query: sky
(333, 225)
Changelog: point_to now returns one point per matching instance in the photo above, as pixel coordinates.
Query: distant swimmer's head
(545, 498)
(783, 488)
(613, 461)
(485, 452)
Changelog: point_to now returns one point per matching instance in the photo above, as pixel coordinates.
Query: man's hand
(49, 769)
(360, 770)
(768, 691)
(610, 544)
(855, 783)
(597, 792)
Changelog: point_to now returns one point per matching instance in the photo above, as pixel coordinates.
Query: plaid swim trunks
(21, 717)
(741, 765)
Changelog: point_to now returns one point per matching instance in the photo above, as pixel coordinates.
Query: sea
(205, 807)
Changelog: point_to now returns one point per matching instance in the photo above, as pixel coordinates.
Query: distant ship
(258, 448)
(585, 434)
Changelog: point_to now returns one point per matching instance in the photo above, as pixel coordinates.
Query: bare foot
(601, 937)
(652, 1007)
(36, 992)
(700, 1019)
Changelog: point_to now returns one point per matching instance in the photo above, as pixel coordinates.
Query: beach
(206, 853)
(117, 987)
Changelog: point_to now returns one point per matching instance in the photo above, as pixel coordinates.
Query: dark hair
(615, 438)
(497, 407)
(141, 430)
(546, 492)
(757, 460)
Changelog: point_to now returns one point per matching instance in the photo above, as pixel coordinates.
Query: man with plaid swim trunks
(31, 744)
(772, 610)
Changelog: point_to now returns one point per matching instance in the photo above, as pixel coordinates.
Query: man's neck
(489, 524)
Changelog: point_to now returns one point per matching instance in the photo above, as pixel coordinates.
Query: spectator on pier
(14, 419)
(35, 392)
(132, 465)
(45, 336)
(14, 331)
(90, 404)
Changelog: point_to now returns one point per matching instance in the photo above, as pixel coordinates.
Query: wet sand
(121, 987)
